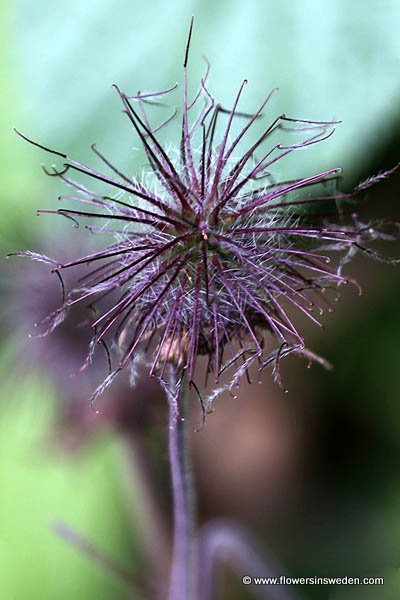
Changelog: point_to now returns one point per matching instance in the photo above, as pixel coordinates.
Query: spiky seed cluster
(212, 253)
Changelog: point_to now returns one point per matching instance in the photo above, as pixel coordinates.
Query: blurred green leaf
(331, 60)
(39, 486)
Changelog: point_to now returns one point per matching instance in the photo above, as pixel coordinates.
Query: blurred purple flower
(210, 252)
(58, 357)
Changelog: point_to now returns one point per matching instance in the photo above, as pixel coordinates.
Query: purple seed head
(208, 252)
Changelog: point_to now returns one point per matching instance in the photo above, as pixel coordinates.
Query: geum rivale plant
(210, 255)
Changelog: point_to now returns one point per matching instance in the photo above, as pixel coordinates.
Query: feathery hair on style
(210, 253)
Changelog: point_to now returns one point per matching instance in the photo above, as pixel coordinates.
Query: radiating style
(210, 254)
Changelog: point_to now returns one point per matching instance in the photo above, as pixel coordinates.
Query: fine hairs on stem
(198, 557)
(183, 572)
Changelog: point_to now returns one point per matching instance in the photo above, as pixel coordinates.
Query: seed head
(210, 252)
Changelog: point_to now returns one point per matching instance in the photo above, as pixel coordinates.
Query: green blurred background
(316, 472)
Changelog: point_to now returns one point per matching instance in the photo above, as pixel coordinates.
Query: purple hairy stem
(182, 578)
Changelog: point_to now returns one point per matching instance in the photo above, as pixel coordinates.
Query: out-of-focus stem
(223, 541)
(183, 576)
(146, 513)
(86, 547)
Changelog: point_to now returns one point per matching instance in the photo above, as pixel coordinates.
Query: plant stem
(86, 547)
(145, 511)
(223, 542)
(183, 577)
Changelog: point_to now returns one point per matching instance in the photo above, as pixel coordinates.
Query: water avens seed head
(209, 253)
